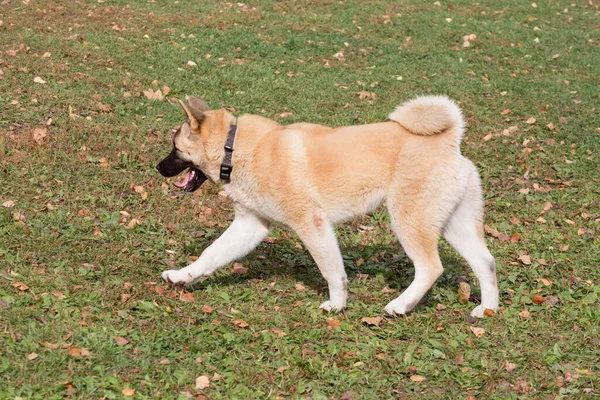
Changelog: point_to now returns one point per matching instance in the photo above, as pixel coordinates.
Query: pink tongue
(188, 177)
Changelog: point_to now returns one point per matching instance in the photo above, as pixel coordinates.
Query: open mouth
(192, 180)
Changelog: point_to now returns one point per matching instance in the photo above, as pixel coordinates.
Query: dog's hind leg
(420, 244)
(243, 235)
(318, 236)
(464, 231)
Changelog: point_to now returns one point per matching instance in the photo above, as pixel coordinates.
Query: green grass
(91, 279)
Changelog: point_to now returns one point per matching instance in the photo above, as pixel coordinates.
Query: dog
(310, 177)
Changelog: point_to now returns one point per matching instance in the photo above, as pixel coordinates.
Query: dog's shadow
(285, 258)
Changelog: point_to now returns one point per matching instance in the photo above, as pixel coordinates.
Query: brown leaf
(515, 237)
(74, 351)
(333, 323)
(153, 95)
(49, 345)
(202, 382)
(39, 133)
(491, 231)
(21, 286)
(238, 269)
(8, 204)
(279, 332)
(241, 323)
(186, 296)
(525, 259)
(128, 392)
(464, 292)
(32, 356)
(207, 309)
(488, 313)
(164, 361)
(505, 111)
(103, 163)
(121, 341)
(387, 289)
(509, 366)
(545, 281)
(524, 314)
(300, 287)
(538, 299)
(530, 121)
(59, 295)
(417, 378)
(477, 331)
(552, 300)
(372, 320)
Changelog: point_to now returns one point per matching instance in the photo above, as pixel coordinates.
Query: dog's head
(197, 145)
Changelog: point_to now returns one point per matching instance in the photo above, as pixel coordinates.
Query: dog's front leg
(243, 235)
(319, 238)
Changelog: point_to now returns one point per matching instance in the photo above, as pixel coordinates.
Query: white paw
(331, 307)
(479, 311)
(396, 307)
(176, 277)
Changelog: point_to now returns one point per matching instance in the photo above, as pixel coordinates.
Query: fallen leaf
(190, 63)
(333, 323)
(283, 368)
(128, 392)
(74, 351)
(387, 289)
(300, 287)
(103, 163)
(39, 133)
(477, 331)
(202, 382)
(37, 79)
(21, 286)
(506, 111)
(417, 378)
(85, 352)
(525, 259)
(59, 295)
(515, 237)
(373, 321)
(538, 299)
(207, 309)
(186, 296)
(488, 136)
(241, 323)
(509, 366)
(8, 204)
(153, 95)
(121, 341)
(238, 269)
(524, 314)
(464, 292)
(530, 121)
(545, 281)
(489, 313)
(551, 300)
(164, 361)
(278, 332)
(32, 356)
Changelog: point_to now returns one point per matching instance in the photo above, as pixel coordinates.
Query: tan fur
(309, 177)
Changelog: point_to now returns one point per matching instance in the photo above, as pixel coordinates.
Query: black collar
(226, 167)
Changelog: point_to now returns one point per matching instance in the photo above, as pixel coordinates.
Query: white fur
(428, 115)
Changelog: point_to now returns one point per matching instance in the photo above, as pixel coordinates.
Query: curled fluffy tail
(430, 115)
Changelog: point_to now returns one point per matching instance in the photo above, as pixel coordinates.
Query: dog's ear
(197, 104)
(195, 115)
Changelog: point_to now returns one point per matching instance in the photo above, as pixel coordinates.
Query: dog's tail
(430, 115)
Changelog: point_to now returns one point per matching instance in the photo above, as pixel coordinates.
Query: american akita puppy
(310, 177)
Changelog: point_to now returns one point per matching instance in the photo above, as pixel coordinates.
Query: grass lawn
(88, 101)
